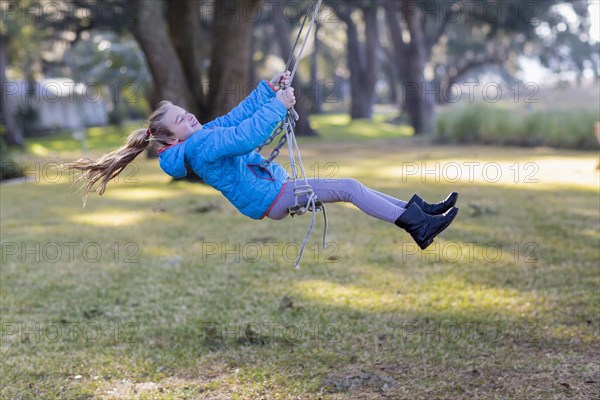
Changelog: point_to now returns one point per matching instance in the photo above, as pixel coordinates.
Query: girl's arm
(240, 139)
(246, 109)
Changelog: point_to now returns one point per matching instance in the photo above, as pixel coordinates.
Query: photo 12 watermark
(63, 331)
(470, 92)
(470, 11)
(56, 172)
(400, 334)
(69, 252)
(68, 91)
(268, 252)
(267, 11)
(470, 171)
(268, 332)
(322, 92)
(469, 252)
(55, 12)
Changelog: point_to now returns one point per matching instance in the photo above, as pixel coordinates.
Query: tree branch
(452, 78)
(432, 40)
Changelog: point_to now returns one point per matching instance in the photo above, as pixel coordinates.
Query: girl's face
(181, 123)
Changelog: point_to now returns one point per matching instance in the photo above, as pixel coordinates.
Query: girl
(222, 153)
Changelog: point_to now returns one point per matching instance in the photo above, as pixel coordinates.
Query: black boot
(424, 227)
(437, 208)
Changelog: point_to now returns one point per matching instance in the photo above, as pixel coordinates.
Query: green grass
(369, 317)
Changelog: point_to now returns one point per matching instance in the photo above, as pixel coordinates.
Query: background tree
(466, 36)
(12, 134)
(149, 27)
(232, 36)
(188, 38)
(21, 43)
(363, 60)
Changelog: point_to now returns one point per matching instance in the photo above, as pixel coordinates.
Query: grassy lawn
(161, 290)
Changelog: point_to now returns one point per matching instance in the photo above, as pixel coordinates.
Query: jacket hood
(172, 161)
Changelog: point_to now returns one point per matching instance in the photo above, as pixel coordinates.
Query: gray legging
(369, 201)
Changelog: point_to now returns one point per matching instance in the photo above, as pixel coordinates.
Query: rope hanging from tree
(301, 186)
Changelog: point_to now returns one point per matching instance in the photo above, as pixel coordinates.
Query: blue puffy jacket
(222, 154)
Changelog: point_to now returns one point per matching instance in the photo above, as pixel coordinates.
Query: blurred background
(496, 72)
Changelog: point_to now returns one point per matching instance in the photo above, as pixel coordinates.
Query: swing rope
(302, 189)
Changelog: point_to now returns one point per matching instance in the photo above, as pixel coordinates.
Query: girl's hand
(282, 78)
(287, 97)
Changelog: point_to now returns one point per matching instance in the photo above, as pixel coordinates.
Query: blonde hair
(112, 164)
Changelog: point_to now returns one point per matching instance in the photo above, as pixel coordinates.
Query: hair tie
(148, 132)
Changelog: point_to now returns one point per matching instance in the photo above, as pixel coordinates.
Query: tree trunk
(282, 31)
(411, 59)
(391, 72)
(362, 60)
(397, 60)
(150, 30)
(12, 133)
(418, 103)
(314, 73)
(183, 17)
(231, 54)
(355, 63)
(251, 63)
(372, 50)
